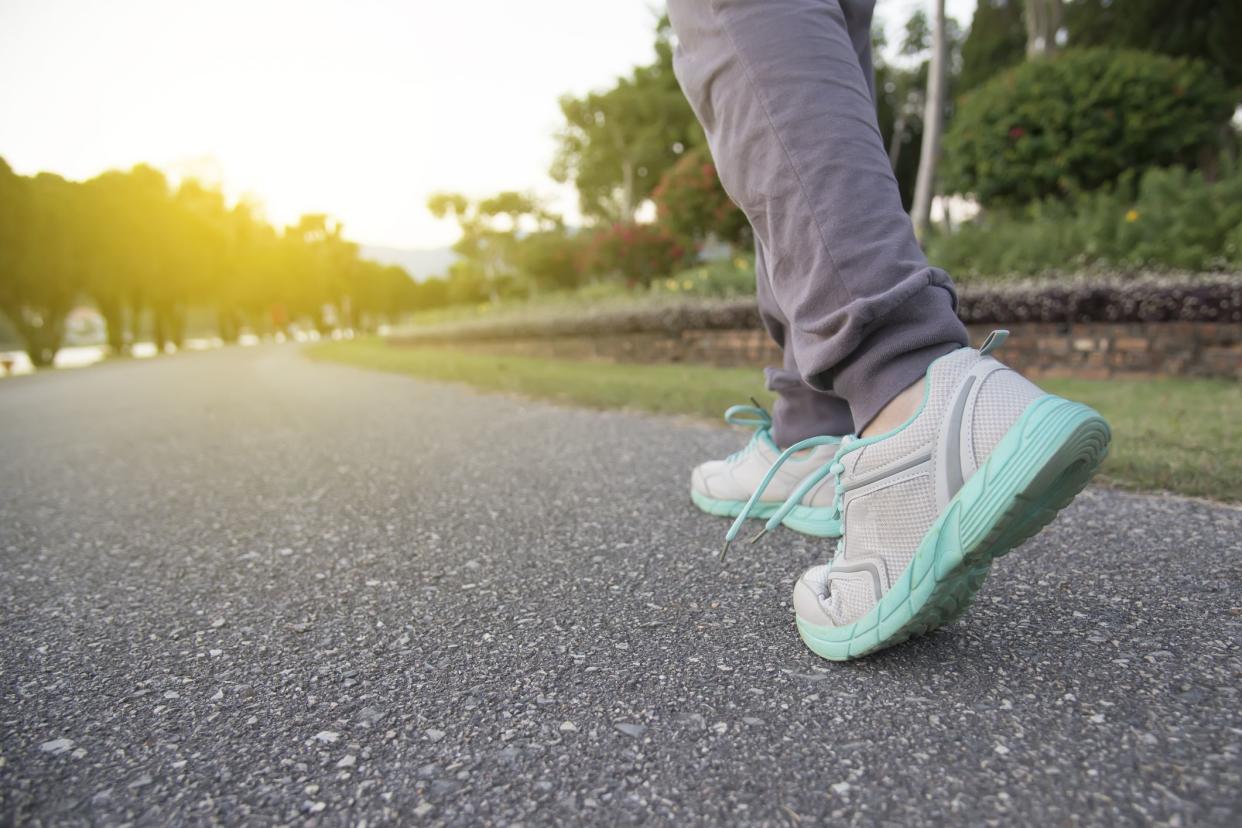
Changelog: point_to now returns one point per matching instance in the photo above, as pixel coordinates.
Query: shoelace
(833, 468)
(749, 416)
(993, 341)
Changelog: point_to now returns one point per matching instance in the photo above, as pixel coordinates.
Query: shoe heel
(1045, 460)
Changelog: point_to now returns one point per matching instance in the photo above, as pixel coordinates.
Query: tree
(933, 124)
(13, 219)
(917, 37)
(1209, 30)
(380, 294)
(997, 41)
(616, 144)
(901, 93)
(692, 204)
(44, 262)
(321, 263)
(894, 108)
(1205, 29)
(491, 229)
(429, 293)
(117, 204)
(1043, 22)
(191, 248)
(909, 87)
(467, 285)
(247, 278)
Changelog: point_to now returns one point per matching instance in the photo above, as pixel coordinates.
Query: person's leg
(800, 411)
(722, 487)
(978, 459)
(782, 92)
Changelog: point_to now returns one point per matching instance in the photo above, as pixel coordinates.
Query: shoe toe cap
(715, 480)
(810, 594)
(697, 482)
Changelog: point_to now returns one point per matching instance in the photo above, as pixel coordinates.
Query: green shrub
(693, 205)
(551, 259)
(734, 276)
(1171, 220)
(1081, 120)
(639, 253)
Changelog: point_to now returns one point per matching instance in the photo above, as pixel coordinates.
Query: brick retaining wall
(1092, 350)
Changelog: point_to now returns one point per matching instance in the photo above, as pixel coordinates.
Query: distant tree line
(140, 249)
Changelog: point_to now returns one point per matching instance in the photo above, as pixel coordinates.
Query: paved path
(242, 587)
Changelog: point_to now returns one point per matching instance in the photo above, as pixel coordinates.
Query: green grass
(694, 390)
(1178, 435)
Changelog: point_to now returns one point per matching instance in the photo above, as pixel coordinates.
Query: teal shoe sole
(819, 523)
(1043, 461)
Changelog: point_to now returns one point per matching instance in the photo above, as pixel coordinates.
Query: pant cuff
(896, 353)
(800, 411)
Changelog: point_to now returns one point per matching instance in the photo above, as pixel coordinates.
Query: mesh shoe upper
(894, 488)
(737, 477)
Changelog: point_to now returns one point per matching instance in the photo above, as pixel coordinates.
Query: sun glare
(359, 110)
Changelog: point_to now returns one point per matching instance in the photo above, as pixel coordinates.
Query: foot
(985, 462)
(722, 487)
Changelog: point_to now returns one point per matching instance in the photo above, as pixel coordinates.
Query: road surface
(243, 587)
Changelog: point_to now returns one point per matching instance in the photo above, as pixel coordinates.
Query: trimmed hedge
(1215, 299)
(1118, 298)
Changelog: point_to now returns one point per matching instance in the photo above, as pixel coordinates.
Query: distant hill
(419, 263)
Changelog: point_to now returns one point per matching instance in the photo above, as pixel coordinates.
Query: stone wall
(1098, 350)
(1091, 350)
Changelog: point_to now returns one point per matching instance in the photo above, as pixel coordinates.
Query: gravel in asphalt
(242, 587)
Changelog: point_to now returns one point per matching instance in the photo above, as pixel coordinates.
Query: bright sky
(357, 108)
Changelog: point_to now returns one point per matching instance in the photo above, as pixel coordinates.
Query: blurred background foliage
(144, 253)
(1165, 219)
(1074, 124)
(1096, 133)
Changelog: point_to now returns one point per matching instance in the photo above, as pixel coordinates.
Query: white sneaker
(723, 487)
(985, 463)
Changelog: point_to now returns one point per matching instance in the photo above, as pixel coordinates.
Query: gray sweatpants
(784, 90)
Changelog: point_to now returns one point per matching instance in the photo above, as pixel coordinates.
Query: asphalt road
(239, 586)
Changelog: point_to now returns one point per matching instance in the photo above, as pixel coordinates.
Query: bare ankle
(899, 409)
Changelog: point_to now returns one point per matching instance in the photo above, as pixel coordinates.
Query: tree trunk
(42, 340)
(933, 125)
(176, 327)
(894, 144)
(134, 322)
(113, 312)
(1043, 20)
(321, 321)
(227, 324)
(161, 323)
(628, 207)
